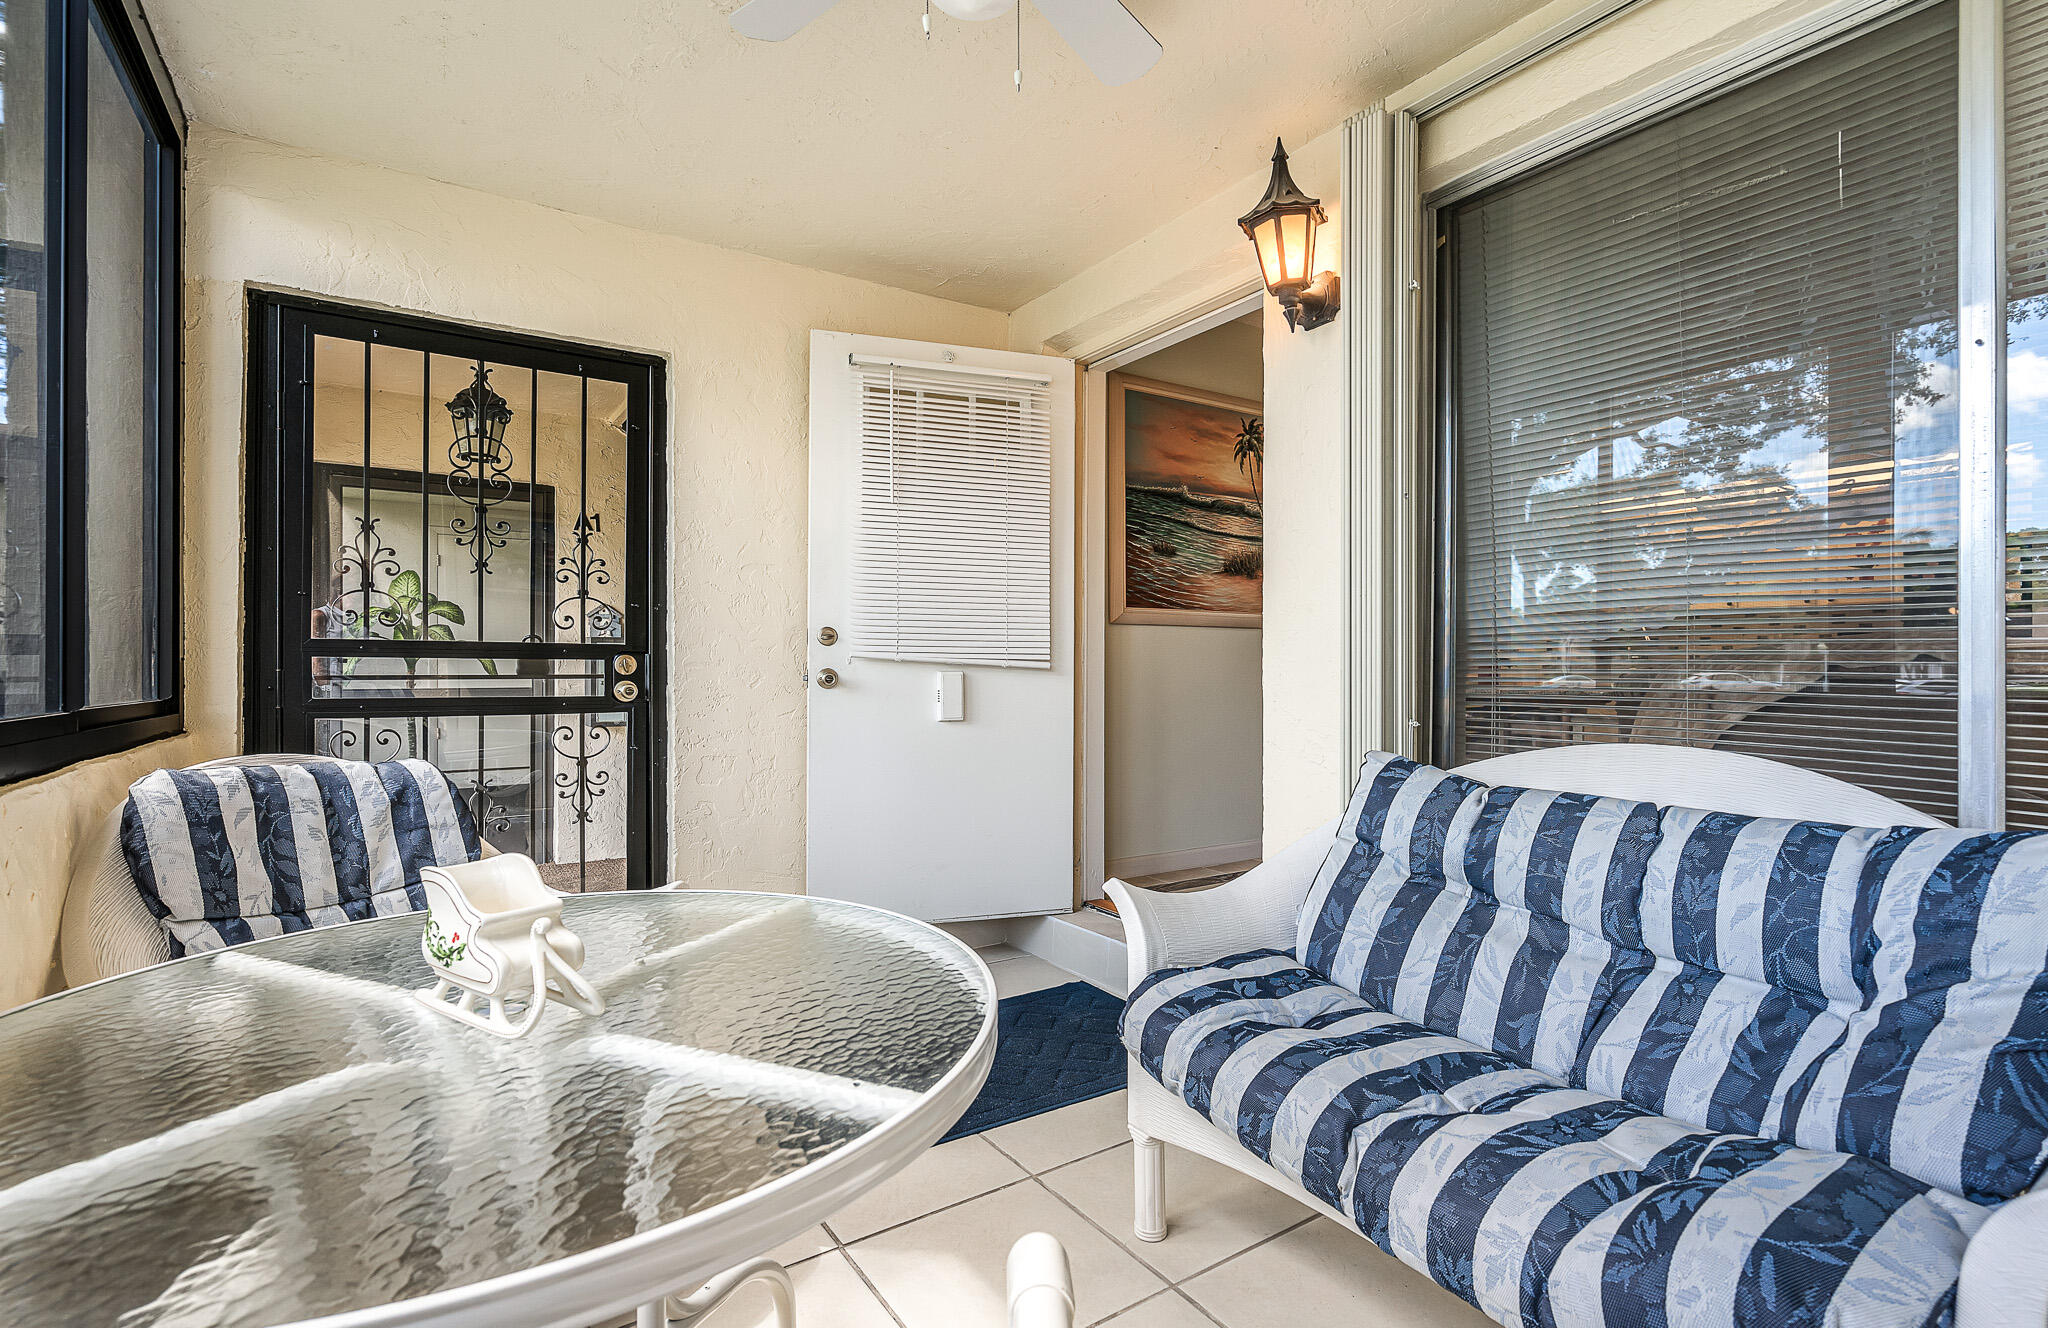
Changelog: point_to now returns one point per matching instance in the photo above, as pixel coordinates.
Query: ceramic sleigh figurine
(494, 935)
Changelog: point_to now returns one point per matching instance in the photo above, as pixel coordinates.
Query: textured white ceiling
(857, 147)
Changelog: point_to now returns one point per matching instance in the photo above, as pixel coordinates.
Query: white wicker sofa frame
(2004, 1277)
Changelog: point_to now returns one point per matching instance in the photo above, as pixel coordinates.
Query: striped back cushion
(229, 854)
(1878, 991)
(1503, 916)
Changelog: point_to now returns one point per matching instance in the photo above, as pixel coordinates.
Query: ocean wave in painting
(1191, 551)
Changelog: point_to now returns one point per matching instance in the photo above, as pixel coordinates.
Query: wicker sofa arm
(2005, 1278)
(1165, 929)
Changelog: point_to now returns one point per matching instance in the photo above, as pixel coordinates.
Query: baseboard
(1095, 957)
(979, 932)
(1175, 861)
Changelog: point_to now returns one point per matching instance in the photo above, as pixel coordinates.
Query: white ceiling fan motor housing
(976, 11)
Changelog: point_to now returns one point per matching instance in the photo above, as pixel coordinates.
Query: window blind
(1703, 444)
(2026, 416)
(952, 557)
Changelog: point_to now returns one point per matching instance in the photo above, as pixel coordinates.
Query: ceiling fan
(1102, 32)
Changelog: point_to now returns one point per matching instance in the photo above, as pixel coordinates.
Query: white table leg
(691, 1310)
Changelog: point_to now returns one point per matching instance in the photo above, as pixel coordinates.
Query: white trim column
(1386, 459)
(1980, 325)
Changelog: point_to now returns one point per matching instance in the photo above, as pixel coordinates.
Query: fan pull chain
(927, 20)
(1019, 76)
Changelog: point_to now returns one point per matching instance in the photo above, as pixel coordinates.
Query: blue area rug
(1055, 1047)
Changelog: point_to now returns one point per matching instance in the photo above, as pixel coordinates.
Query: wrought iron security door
(453, 559)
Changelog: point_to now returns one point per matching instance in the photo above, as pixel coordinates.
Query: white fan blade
(1106, 35)
(777, 20)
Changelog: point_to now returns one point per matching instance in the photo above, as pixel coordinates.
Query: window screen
(1703, 444)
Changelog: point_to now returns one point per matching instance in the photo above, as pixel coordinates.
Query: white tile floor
(927, 1248)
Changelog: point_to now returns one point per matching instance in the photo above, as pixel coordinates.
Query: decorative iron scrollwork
(578, 742)
(582, 569)
(359, 565)
(480, 463)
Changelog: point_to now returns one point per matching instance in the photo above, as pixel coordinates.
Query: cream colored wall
(735, 330)
(1201, 260)
(1659, 40)
(1182, 715)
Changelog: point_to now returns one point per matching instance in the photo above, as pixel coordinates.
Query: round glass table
(281, 1132)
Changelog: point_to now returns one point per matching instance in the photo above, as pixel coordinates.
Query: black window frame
(73, 731)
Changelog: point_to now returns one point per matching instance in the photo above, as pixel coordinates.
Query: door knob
(827, 636)
(828, 678)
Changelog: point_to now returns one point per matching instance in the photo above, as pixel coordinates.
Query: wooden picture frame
(1120, 610)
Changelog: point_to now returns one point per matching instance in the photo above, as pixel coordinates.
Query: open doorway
(1182, 705)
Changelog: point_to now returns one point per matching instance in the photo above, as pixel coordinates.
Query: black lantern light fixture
(1283, 229)
(480, 417)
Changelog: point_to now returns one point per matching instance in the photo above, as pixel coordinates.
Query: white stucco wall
(735, 331)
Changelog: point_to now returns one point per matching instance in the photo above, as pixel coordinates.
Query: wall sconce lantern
(1283, 230)
(480, 417)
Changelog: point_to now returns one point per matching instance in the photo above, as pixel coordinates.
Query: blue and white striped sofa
(1607, 1061)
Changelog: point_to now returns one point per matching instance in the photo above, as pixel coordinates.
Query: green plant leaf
(447, 609)
(404, 589)
(490, 667)
(441, 632)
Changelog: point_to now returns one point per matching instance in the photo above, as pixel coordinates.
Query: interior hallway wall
(1182, 720)
(735, 329)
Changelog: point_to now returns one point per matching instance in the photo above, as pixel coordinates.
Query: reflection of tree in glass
(1724, 523)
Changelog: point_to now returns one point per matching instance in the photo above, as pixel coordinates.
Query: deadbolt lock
(625, 690)
(827, 636)
(828, 678)
(623, 664)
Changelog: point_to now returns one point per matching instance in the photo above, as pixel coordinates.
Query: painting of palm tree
(1187, 470)
(1249, 452)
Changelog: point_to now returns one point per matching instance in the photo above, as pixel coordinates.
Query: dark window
(89, 179)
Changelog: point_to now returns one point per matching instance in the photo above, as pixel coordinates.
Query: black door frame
(278, 649)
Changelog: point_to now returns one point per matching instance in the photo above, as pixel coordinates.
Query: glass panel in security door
(550, 787)
(460, 499)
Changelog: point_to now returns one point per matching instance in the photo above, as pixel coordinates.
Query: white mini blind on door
(952, 557)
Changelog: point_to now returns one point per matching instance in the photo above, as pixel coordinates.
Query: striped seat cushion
(1538, 1202)
(229, 854)
(1880, 991)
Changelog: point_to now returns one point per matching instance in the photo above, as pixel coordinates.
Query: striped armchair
(248, 847)
(1589, 1060)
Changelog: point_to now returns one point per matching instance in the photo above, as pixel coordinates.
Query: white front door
(937, 819)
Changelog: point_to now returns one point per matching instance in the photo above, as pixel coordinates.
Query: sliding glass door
(454, 561)
(1745, 424)
(1704, 456)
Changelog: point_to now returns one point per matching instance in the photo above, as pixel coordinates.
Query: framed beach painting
(1186, 539)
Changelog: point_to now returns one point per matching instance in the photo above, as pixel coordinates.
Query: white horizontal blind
(1705, 435)
(952, 557)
